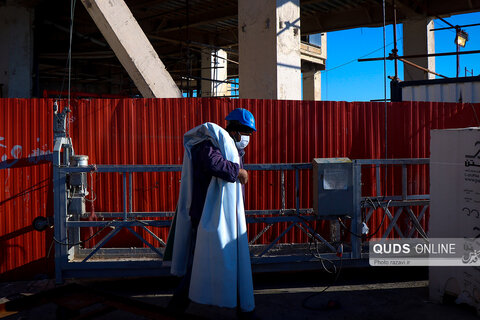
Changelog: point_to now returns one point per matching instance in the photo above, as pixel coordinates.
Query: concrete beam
(132, 48)
(196, 20)
(312, 53)
(408, 8)
(370, 15)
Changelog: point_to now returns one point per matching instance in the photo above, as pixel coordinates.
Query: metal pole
(357, 195)
(60, 217)
(377, 177)
(395, 50)
(453, 27)
(124, 174)
(282, 178)
(421, 68)
(458, 57)
(130, 187)
(297, 191)
(442, 54)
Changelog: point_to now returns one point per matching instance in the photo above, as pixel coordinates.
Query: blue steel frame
(65, 226)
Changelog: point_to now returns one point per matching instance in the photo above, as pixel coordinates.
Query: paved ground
(358, 294)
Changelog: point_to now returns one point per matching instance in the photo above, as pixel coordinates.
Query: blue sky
(345, 79)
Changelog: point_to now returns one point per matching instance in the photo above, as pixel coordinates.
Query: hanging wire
(189, 59)
(384, 56)
(109, 224)
(385, 92)
(63, 81)
(356, 59)
(69, 59)
(72, 13)
(445, 25)
(68, 64)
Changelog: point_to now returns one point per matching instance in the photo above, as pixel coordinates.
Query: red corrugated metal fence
(150, 131)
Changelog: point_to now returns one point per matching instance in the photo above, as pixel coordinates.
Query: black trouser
(180, 300)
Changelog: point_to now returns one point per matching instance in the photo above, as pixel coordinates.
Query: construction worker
(210, 248)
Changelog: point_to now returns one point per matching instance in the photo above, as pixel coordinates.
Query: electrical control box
(333, 187)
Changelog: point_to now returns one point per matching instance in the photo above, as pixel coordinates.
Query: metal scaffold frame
(70, 191)
(72, 261)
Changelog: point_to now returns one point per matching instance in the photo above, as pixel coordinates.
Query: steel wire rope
(72, 15)
(68, 66)
(68, 63)
(385, 92)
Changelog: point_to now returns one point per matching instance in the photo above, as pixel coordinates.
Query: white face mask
(244, 140)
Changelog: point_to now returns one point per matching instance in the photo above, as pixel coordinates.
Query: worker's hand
(243, 176)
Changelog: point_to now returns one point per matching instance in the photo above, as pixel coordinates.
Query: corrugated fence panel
(150, 131)
(25, 186)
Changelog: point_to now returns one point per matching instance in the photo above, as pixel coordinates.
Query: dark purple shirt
(208, 162)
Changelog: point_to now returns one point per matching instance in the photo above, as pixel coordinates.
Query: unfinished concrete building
(150, 48)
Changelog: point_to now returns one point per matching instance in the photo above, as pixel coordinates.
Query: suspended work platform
(346, 244)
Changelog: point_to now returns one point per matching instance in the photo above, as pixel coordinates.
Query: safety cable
(72, 13)
(67, 63)
(379, 226)
(385, 91)
(86, 240)
(68, 66)
(337, 273)
(308, 298)
(317, 254)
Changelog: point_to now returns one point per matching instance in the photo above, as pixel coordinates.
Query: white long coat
(221, 273)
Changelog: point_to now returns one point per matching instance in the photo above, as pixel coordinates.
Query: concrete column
(418, 39)
(312, 85)
(16, 51)
(269, 48)
(132, 47)
(214, 67)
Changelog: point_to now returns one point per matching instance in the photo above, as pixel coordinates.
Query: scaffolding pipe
(395, 50)
(421, 68)
(390, 57)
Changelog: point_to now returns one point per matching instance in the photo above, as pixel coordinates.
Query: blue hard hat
(243, 116)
